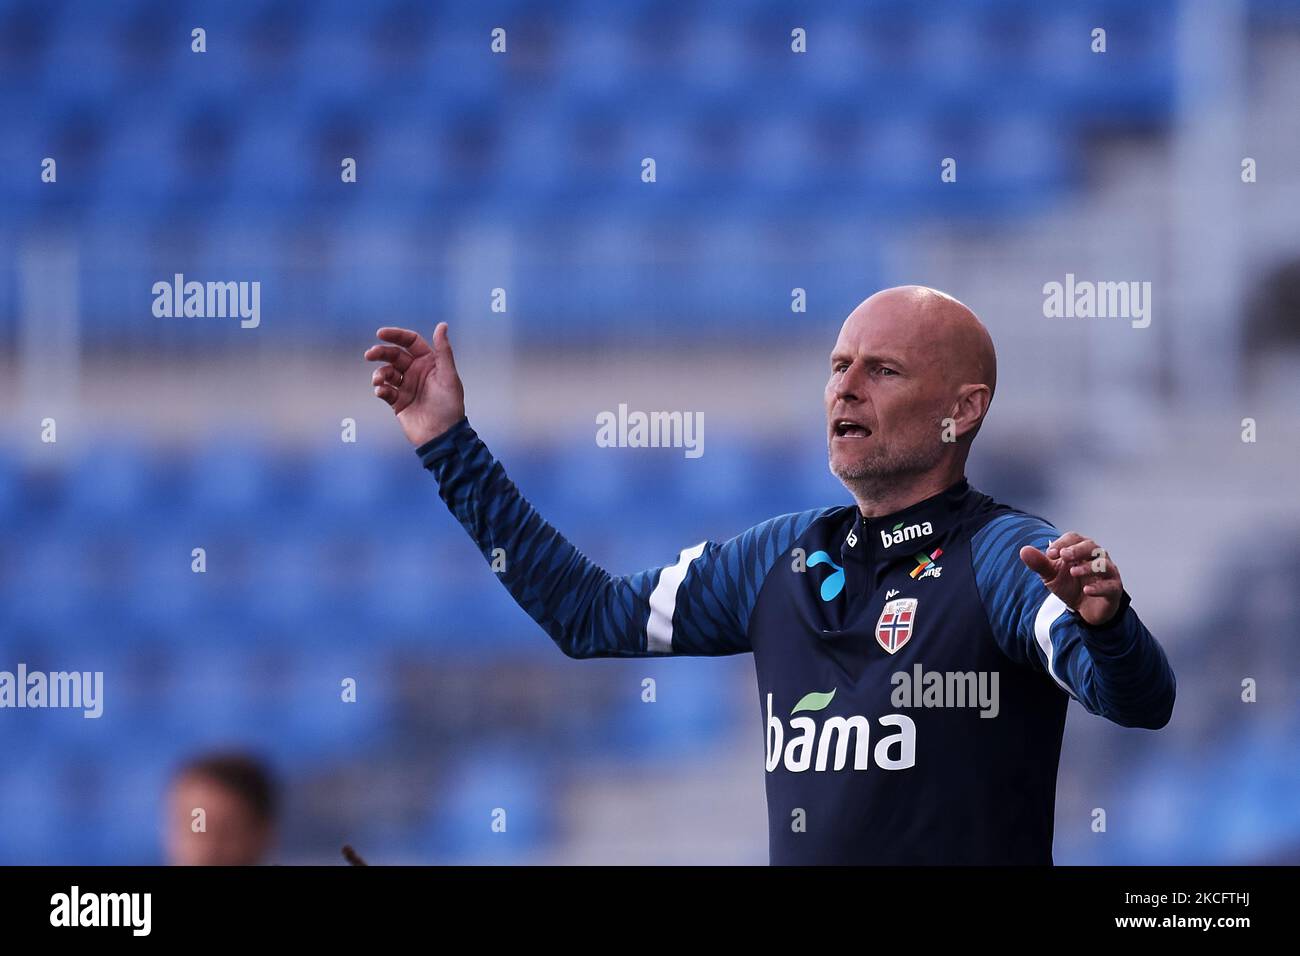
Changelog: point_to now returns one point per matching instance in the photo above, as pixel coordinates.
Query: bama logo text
(806, 745)
(899, 534)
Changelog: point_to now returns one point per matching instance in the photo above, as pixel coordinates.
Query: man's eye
(885, 370)
(839, 368)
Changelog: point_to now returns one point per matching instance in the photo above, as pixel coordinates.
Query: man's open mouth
(849, 429)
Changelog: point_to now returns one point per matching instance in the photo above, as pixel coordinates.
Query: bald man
(915, 651)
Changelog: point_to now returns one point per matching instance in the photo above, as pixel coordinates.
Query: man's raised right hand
(419, 382)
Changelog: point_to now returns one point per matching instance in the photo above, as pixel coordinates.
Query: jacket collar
(908, 530)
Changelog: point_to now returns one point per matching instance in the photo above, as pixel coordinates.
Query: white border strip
(1051, 609)
(663, 602)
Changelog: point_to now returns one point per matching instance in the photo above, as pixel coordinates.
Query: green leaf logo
(897, 526)
(813, 701)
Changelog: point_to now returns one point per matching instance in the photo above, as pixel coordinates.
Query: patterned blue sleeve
(699, 605)
(1117, 671)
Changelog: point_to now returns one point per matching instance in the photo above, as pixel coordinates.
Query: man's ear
(970, 408)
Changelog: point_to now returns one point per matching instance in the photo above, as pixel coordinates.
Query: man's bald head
(912, 375)
(935, 323)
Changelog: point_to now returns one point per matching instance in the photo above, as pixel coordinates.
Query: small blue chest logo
(834, 584)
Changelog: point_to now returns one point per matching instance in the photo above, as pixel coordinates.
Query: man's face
(889, 390)
(234, 836)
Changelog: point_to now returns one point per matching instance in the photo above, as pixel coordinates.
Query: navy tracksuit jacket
(913, 674)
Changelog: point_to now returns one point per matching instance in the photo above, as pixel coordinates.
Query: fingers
(387, 375)
(1085, 549)
(1088, 562)
(1064, 541)
(1086, 559)
(1073, 547)
(413, 342)
(407, 346)
(1108, 587)
(405, 350)
(391, 354)
(1073, 552)
(1082, 553)
(1038, 562)
(442, 346)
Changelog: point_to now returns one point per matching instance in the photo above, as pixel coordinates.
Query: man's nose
(849, 386)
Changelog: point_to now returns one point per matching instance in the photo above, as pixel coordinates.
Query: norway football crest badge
(896, 624)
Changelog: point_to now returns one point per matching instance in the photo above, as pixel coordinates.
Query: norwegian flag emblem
(896, 624)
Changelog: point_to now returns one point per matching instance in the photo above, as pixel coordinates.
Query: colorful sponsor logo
(925, 566)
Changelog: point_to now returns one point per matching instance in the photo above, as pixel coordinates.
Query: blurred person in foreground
(221, 811)
(915, 651)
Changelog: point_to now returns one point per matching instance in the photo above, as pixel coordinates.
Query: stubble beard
(881, 474)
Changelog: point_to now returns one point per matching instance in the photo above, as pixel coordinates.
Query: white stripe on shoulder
(1051, 609)
(663, 601)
